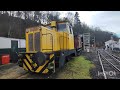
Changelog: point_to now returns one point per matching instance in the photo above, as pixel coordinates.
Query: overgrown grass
(78, 68)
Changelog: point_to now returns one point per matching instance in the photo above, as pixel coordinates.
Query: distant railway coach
(11, 46)
(78, 43)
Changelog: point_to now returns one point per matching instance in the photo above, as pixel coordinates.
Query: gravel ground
(116, 53)
(13, 71)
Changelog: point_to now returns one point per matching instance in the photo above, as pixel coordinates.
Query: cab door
(71, 37)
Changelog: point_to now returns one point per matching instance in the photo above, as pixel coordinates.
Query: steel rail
(110, 62)
(102, 65)
(111, 55)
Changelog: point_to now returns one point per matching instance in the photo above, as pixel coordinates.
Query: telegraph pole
(94, 45)
(94, 42)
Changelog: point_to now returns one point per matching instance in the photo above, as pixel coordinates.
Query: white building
(117, 45)
(12, 46)
(7, 42)
(111, 44)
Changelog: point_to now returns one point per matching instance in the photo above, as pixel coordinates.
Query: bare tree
(25, 14)
(19, 14)
(37, 16)
(70, 17)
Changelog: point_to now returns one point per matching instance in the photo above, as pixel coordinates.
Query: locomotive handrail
(52, 41)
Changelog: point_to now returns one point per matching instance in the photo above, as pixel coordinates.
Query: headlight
(20, 56)
(50, 65)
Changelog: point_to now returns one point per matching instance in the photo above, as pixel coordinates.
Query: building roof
(11, 38)
(109, 41)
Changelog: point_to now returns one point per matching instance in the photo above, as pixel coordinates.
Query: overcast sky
(106, 20)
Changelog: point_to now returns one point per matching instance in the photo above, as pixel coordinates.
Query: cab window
(61, 27)
(71, 31)
(49, 27)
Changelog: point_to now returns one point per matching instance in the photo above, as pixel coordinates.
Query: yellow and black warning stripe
(28, 64)
(40, 69)
(50, 60)
(29, 61)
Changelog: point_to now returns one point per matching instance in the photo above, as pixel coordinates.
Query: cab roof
(56, 22)
(39, 26)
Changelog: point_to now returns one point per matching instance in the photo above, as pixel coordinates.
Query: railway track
(110, 65)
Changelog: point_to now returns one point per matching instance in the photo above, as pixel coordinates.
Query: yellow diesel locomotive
(47, 47)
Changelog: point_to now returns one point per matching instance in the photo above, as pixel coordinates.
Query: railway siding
(110, 65)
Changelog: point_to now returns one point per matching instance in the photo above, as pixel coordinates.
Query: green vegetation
(77, 68)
